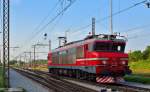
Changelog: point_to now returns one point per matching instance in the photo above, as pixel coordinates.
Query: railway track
(74, 85)
(124, 86)
(55, 84)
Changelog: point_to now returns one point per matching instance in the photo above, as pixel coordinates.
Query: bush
(139, 79)
(146, 53)
(1, 78)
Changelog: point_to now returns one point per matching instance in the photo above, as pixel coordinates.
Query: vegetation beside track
(1, 77)
(41, 65)
(38, 65)
(141, 67)
(137, 79)
(139, 62)
(140, 72)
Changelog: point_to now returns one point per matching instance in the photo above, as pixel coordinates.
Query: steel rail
(118, 86)
(55, 84)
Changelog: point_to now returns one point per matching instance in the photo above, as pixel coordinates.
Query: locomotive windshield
(109, 46)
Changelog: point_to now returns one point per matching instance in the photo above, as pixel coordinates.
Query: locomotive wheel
(70, 73)
(78, 74)
(57, 71)
(91, 77)
(88, 76)
(74, 74)
(84, 75)
(49, 70)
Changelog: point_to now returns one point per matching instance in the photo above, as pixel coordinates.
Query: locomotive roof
(90, 39)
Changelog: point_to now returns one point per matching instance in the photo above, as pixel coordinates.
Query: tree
(12, 62)
(135, 56)
(146, 53)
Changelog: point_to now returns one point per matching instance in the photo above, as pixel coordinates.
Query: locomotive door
(80, 53)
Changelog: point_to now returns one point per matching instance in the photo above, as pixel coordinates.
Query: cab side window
(90, 47)
(80, 52)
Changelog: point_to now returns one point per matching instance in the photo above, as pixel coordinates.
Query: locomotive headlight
(104, 62)
(123, 62)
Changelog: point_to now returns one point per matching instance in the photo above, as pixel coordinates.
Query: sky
(26, 16)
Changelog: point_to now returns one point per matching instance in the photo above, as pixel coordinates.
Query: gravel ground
(137, 85)
(17, 80)
(96, 88)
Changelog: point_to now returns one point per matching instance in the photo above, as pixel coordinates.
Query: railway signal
(45, 36)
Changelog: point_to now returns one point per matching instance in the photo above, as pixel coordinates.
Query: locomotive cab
(110, 56)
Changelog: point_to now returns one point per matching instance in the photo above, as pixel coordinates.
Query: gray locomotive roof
(89, 39)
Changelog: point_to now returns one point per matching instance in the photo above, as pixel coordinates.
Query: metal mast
(6, 37)
(111, 16)
(93, 26)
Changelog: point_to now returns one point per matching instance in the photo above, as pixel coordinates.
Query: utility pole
(30, 58)
(13, 48)
(25, 59)
(20, 60)
(6, 39)
(34, 51)
(34, 47)
(111, 16)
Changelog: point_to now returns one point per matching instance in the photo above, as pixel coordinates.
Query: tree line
(139, 55)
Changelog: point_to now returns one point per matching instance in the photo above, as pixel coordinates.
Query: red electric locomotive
(100, 57)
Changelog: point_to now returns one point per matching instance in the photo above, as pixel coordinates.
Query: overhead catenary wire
(42, 21)
(137, 28)
(39, 25)
(138, 36)
(53, 19)
(107, 17)
(84, 27)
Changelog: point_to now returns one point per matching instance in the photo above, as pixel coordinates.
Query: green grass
(140, 72)
(137, 79)
(140, 67)
(1, 78)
